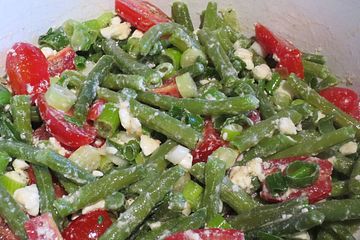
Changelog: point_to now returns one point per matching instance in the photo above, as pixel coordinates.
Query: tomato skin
(168, 88)
(290, 57)
(31, 175)
(319, 190)
(65, 132)
(344, 98)
(27, 69)
(208, 234)
(87, 226)
(63, 60)
(96, 109)
(140, 14)
(210, 142)
(35, 228)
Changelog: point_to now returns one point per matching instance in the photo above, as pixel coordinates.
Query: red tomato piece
(63, 60)
(140, 14)
(41, 133)
(5, 231)
(169, 88)
(254, 115)
(27, 69)
(42, 228)
(96, 109)
(289, 56)
(319, 190)
(210, 142)
(88, 226)
(208, 234)
(31, 175)
(59, 190)
(65, 132)
(344, 98)
(356, 112)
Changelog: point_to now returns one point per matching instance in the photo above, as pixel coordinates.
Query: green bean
(21, 112)
(339, 210)
(108, 121)
(269, 146)
(231, 194)
(315, 69)
(108, 95)
(7, 128)
(218, 57)
(354, 182)
(342, 164)
(224, 40)
(195, 70)
(154, 166)
(269, 213)
(180, 37)
(231, 105)
(330, 81)
(163, 123)
(313, 98)
(45, 157)
(117, 82)
(114, 201)
(12, 214)
(88, 91)
(341, 231)
(68, 185)
(129, 65)
(142, 206)
(313, 57)
(180, 14)
(97, 190)
(317, 145)
(214, 174)
(211, 17)
(339, 188)
(297, 223)
(253, 135)
(325, 234)
(46, 192)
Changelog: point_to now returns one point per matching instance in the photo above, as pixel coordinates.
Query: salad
(137, 125)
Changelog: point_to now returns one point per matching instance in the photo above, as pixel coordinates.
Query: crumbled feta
(348, 148)
(148, 145)
(242, 175)
(357, 178)
(284, 89)
(99, 205)
(115, 20)
(301, 236)
(111, 150)
(7, 107)
(28, 198)
(320, 116)
(246, 56)
(258, 49)
(187, 209)
(154, 225)
(97, 173)
(48, 52)
(286, 126)
(56, 146)
(131, 124)
(137, 34)
(262, 71)
(180, 155)
(116, 31)
(128, 202)
(18, 176)
(20, 165)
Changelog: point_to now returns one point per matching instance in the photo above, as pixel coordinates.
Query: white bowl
(331, 26)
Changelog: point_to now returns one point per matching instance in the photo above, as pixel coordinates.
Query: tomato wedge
(63, 60)
(344, 98)
(88, 226)
(27, 69)
(42, 228)
(96, 109)
(65, 132)
(140, 14)
(319, 190)
(210, 142)
(289, 56)
(169, 88)
(208, 234)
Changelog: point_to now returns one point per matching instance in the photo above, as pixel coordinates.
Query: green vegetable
(108, 121)
(21, 112)
(276, 183)
(54, 38)
(60, 97)
(301, 174)
(5, 95)
(193, 193)
(80, 62)
(4, 161)
(186, 86)
(180, 14)
(190, 56)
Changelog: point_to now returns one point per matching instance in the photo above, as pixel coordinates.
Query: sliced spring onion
(230, 131)
(274, 83)
(301, 174)
(218, 222)
(87, 157)
(115, 201)
(193, 194)
(165, 69)
(228, 155)
(60, 97)
(108, 121)
(80, 62)
(175, 57)
(186, 86)
(276, 183)
(190, 56)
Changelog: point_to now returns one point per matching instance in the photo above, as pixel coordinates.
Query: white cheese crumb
(20, 165)
(18, 176)
(131, 124)
(187, 209)
(137, 34)
(284, 89)
(56, 146)
(28, 198)
(258, 49)
(48, 52)
(180, 155)
(7, 107)
(117, 31)
(320, 116)
(154, 225)
(99, 205)
(111, 150)
(115, 20)
(286, 126)
(261, 72)
(148, 145)
(246, 56)
(357, 177)
(97, 173)
(348, 148)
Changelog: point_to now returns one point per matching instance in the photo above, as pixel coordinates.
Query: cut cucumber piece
(60, 97)
(186, 86)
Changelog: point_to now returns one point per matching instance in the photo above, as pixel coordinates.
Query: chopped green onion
(228, 155)
(326, 125)
(193, 194)
(175, 57)
(165, 69)
(230, 131)
(4, 161)
(276, 183)
(301, 174)
(218, 222)
(212, 93)
(108, 121)
(80, 62)
(274, 83)
(190, 56)
(87, 157)
(186, 86)
(54, 38)
(102, 21)
(60, 97)
(130, 150)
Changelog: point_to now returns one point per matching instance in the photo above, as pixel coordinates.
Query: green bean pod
(20, 106)
(117, 82)
(180, 14)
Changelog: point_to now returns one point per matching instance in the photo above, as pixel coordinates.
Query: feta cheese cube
(286, 126)
(148, 145)
(137, 34)
(115, 20)
(258, 49)
(18, 176)
(261, 72)
(28, 198)
(246, 56)
(48, 52)
(180, 155)
(99, 205)
(348, 148)
(20, 165)
(117, 31)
